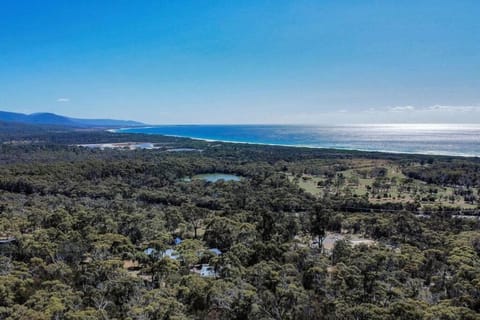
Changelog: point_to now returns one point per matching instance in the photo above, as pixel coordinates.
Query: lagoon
(216, 176)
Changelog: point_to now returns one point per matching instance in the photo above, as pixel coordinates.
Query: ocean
(434, 139)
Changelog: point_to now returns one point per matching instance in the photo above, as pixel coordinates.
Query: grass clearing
(382, 182)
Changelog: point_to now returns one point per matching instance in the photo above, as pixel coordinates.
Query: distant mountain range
(58, 120)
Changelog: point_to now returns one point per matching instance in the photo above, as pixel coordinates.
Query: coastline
(429, 153)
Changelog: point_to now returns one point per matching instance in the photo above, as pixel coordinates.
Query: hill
(45, 118)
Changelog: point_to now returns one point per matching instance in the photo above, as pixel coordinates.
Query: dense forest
(114, 233)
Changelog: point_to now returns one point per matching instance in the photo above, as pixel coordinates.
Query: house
(204, 270)
(170, 253)
(215, 251)
(208, 271)
(7, 240)
(7, 245)
(149, 251)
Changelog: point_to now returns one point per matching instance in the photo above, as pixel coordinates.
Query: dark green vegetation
(75, 223)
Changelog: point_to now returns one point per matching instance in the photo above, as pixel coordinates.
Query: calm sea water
(439, 139)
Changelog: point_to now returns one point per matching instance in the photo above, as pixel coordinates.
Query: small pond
(214, 177)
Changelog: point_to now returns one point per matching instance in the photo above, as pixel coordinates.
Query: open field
(381, 182)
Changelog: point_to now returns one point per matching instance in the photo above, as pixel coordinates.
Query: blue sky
(349, 61)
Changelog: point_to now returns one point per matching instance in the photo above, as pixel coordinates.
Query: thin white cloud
(63, 100)
(453, 108)
(401, 108)
(433, 108)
